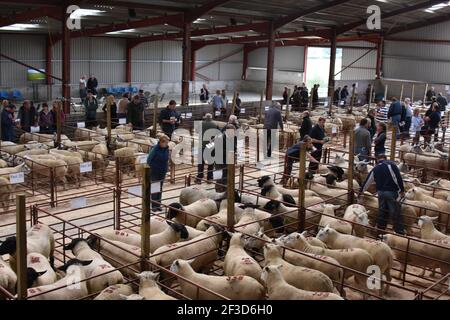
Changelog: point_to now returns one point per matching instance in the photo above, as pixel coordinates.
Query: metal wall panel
(436, 31)
(170, 71)
(289, 58)
(172, 50)
(142, 72)
(365, 44)
(103, 48)
(147, 51)
(363, 69)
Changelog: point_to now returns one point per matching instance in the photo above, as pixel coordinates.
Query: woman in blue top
(158, 160)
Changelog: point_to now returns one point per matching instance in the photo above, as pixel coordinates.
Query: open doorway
(318, 66)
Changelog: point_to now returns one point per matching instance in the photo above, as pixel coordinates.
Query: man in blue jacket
(158, 160)
(395, 114)
(272, 121)
(8, 123)
(389, 184)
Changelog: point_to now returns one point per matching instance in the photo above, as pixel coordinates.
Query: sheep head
(411, 194)
(268, 271)
(75, 243)
(148, 275)
(179, 228)
(174, 210)
(325, 233)
(8, 246)
(32, 276)
(74, 262)
(264, 180)
(133, 296)
(272, 206)
(425, 220)
(179, 264)
(271, 249)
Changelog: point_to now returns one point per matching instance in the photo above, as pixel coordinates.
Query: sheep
(272, 192)
(279, 289)
(299, 277)
(204, 248)
(99, 163)
(442, 183)
(40, 239)
(168, 236)
(117, 253)
(353, 258)
(8, 278)
(66, 153)
(428, 231)
(232, 287)
(357, 213)
(126, 157)
(79, 145)
(101, 148)
(266, 181)
(12, 148)
(381, 253)
(444, 206)
(113, 292)
(6, 190)
(193, 213)
(420, 252)
(73, 164)
(40, 264)
(19, 168)
(314, 241)
(135, 297)
(33, 152)
(72, 285)
(238, 261)
(193, 193)
(249, 220)
(339, 225)
(3, 164)
(148, 287)
(43, 167)
(257, 241)
(99, 268)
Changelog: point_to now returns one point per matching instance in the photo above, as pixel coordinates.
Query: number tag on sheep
(15, 178)
(122, 121)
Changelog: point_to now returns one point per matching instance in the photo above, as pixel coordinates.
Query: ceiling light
(122, 31)
(199, 20)
(437, 7)
(85, 12)
(20, 27)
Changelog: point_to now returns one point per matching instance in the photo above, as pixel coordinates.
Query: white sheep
(353, 258)
(43, 272)
(428, 230)
(113, 292)
(234, 287)
(8, 278)
(102, 271)
(193, 213)
(72, 286)
(6, 190)
(205, 248)
(3, 164)
(149, 288)
(191, 194)
(238, 261)
(249, 220)
(220, 217)
(39, 240)
(279, 289)
(43, 165)
(257, 241)
(358, 214)
(299, 277)
(327, 219)
(381, 253)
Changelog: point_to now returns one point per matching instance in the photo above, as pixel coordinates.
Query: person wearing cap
(272, 121)
(306, 126)
(135, 110)
(158, 160)
(389, 185)
(169, 119)
(207, 124)
(7, 121)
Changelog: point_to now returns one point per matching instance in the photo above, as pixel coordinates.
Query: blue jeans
(389, 206)
(395, 121)
(363, 153)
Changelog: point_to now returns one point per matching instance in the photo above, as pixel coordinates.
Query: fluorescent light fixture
(85, 12)
(436, 7)
(122, 31)
(199, 20)
(20, 27)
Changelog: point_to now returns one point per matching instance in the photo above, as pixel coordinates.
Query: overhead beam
(386, 15)
(301, 13)
(196, 13)
(29, 15)
(420, 24)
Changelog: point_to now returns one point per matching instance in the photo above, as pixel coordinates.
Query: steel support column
(186, 63)
(305, 62)
(245, 62)
(193, 62)
(65, 62)
(270, 61)
(48, 61)
(331, 81)
(380, 57)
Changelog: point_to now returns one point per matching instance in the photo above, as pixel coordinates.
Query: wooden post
(412, 93)
(108, 122)
(233, 104)
(370, 98)
(21, 246)
(401, 92)
(385, 92)
(261, 106)
(118, 196)
(393, 142)
(58, 126)
(449, 161)
(425, 94)
(145, 218)
(155, 112)
(287, 105)
(351, 160)
(230, 190)
(301, 189)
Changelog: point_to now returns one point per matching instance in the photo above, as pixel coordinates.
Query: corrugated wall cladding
(365, 44)
(229, 68)
(28, 49)
(417, 61)
(156, 61)
(363, 69)
(436, 31)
